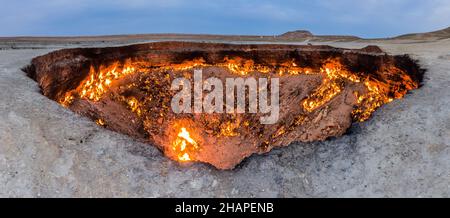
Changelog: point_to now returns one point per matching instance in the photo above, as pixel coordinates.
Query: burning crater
(322, 90)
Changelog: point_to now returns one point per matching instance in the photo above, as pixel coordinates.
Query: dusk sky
(368, 18)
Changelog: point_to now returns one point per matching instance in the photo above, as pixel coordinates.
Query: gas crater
(322, 90)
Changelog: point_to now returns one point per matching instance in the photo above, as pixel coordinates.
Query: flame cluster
(382, 91)
(241, 66)
(379, 91)
(184, 144)
(389, 84)
(99, 81)
(333, 83)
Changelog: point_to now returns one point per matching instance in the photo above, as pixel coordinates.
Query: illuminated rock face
(322, 90)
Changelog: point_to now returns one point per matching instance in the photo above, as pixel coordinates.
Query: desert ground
(47, 150)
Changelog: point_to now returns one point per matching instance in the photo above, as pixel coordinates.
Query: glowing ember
(229, 128)
(100, 122)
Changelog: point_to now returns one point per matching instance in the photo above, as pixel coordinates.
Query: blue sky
(365, 18)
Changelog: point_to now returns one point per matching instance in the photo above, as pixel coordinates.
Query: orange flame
(379, 91)
(183, 144)
(97, 83)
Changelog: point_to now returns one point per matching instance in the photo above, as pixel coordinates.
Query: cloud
(369, 18)
(439, 14)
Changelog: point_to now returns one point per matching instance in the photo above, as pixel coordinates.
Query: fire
(184, 157)
(100, 122)
(379, 90)
(327, 91)
(229, 128)
(97, 83)
(134, 90)
(133, 104)
(184, 144)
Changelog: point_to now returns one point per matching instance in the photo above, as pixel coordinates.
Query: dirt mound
(372, 49)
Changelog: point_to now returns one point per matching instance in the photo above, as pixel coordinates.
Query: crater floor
(403, 150)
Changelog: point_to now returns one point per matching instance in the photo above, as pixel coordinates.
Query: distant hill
(304, 34)
(291, 36)
(296, 34)
(440, 34)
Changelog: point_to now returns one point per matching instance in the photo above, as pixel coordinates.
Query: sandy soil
(49, 151)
